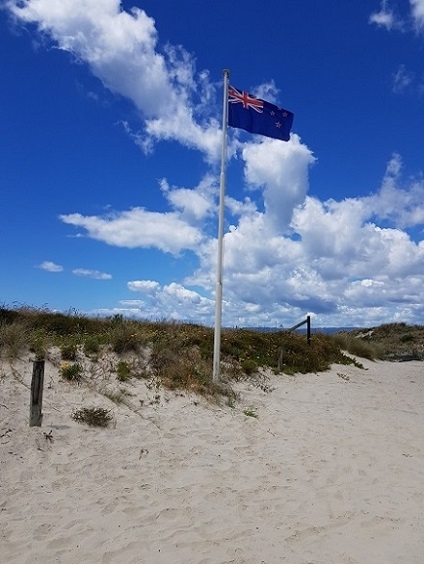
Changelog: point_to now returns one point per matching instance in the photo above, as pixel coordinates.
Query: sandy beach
(309, 469)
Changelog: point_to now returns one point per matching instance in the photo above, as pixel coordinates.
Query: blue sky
(110, 138)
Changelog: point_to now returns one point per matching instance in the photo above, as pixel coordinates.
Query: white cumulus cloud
(144, 286)
(281, 169)
(139, 228)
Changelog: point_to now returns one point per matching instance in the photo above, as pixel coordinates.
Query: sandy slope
(330, 471)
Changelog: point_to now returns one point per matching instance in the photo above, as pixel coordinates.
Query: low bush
(93, 416)
(71, 372)
(91, 345)
(407, 338)
(249, 366)
(124, 337)
(123, 371)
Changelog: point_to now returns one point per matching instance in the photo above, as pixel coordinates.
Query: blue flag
(258, 116)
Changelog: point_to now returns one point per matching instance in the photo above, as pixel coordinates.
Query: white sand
(330, 472)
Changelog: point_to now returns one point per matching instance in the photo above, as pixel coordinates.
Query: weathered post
(36, 403)
(280, 358)
(308, 329)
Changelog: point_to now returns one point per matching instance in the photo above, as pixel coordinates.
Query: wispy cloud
(50, 266)
(388, 19)
(385, 17)
(402, 79)
(417, 9)
(97, 275)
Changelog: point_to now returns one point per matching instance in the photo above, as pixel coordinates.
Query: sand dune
(330, 471)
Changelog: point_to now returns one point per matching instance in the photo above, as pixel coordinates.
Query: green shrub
(249, 366)
(62, 324)
(181, 368)
(124, 338)
(91, 345)
(93, 416)
(123, 371)
(71, 372)
(117, 320)
(407, 338)
(250, 412)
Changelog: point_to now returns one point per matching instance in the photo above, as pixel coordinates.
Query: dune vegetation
(180, 355)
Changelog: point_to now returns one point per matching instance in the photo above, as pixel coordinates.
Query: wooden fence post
(280, 358)
(308, 329)
(306, 321)
(36, 403)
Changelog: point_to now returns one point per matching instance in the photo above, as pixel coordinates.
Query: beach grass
(179, 355)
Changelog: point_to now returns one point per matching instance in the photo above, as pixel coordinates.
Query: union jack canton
(250, 102)
(252, 114)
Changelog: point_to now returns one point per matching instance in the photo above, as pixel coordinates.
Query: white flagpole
(218, 295)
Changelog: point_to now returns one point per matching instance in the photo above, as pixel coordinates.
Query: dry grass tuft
(390, 341)
(13, 337)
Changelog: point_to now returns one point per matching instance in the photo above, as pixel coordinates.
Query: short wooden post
(36, 404)
(280, 358)
(308, 329)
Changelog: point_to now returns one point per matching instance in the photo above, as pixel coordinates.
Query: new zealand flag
(258, 116)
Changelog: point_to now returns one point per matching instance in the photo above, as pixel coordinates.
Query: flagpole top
(226, 72)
